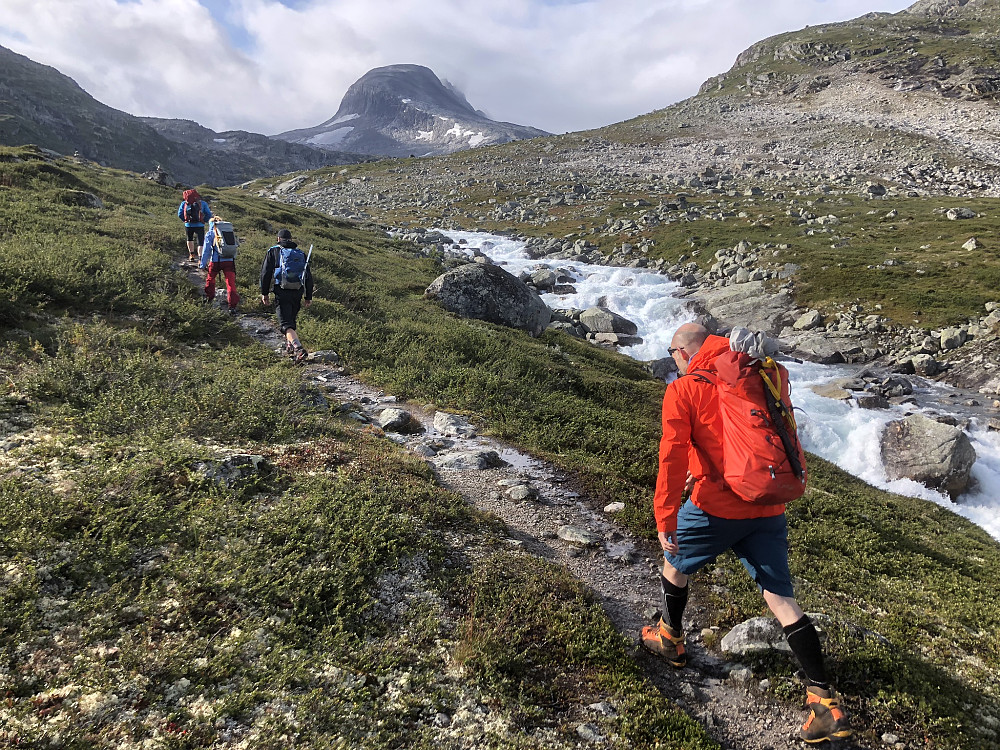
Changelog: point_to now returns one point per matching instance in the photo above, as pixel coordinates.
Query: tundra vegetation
(336, 596)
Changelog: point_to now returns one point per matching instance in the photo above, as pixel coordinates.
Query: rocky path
(548, 519)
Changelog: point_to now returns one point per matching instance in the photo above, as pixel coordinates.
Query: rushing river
(846, 435)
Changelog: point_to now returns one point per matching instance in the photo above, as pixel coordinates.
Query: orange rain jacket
(692, 426)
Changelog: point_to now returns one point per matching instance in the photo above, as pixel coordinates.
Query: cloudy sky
(273, 65)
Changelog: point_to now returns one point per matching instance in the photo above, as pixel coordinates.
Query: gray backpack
(225, 241)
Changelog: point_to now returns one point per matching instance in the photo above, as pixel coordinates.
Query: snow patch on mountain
(398, 109)
(330, 137)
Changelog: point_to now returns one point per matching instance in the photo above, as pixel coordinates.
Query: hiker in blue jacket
(194, 212)
(286, 273)
(215, 263)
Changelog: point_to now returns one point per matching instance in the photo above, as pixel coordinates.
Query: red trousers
(228, 269)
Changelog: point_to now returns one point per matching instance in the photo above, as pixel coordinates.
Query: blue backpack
(291, 267)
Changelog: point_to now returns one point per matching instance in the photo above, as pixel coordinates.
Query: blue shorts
(760, 543)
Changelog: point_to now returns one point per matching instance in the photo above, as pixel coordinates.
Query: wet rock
(521, 492)
(872, 401)
(829, 390)
(937, 455)
(470, 460)
(602, 320)
(453, 425)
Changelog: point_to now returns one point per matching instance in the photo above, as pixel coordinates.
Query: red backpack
(192, 207)
(763, 461)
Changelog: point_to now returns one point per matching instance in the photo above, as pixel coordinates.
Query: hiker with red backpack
(729, 460)
(286, 272)
(218, 255)
(194, 212)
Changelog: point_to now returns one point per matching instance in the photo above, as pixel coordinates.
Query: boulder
(926, 365)
(755, 635)
(763, 634)
(397, 420)
(751, 305)
(602, 320)
(808, 320)
(544, 278)
(954, 214)
(831, 390)
(871, 401)
(491, 294)
(475, 460)
(453, 425)
(952, 338)
(937, 455)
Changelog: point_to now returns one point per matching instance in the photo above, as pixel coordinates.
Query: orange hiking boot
(827, 720)
(664, 641)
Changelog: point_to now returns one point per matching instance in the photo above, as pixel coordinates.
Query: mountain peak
(401, 110)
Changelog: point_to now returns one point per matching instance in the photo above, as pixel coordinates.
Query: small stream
(836, 430)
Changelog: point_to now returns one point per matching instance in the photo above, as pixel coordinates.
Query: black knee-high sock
(675, 599)
(804, 642)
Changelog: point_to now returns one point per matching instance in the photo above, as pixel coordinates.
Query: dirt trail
(619, 568)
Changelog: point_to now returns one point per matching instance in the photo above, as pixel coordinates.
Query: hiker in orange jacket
(693, 533)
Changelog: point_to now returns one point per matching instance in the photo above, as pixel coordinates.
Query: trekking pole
(306, 267)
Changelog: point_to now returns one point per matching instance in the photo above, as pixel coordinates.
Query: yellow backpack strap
(775, 387)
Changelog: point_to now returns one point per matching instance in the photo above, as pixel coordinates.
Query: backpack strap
(781, 417)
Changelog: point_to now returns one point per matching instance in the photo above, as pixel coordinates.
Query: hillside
(156, 591)
(41, 106)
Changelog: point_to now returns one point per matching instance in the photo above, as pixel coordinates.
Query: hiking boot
(232, 311)
(664, 641)
(299, 355)
(827, 720)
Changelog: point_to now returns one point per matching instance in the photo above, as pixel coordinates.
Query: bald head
(686, 342)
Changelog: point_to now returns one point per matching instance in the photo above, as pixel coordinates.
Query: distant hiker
(694, 532)
(286, 271)
(194, 212)
(218, 255)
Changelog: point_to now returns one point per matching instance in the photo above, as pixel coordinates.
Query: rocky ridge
(406, 110)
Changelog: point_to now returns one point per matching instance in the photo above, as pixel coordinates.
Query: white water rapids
(840, 433)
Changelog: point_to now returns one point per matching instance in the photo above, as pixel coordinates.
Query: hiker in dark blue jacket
(284, 271)
(194, 212)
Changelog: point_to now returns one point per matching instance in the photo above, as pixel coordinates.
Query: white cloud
(554, 65)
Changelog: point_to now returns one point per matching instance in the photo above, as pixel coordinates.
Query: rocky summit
(406, 110)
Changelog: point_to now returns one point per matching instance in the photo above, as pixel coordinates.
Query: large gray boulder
(751, 305)
(937, 455)
(489, 293)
